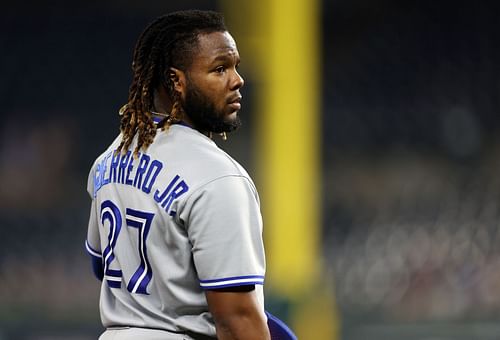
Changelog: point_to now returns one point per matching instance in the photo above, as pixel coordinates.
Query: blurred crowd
(412, 156)
(415, 239)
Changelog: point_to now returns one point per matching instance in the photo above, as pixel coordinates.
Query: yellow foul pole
(289, 143)
(279, 41)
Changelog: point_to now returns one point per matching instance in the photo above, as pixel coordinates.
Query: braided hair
(169, 41)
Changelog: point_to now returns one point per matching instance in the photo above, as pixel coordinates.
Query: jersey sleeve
(93, 244)
(224, 225)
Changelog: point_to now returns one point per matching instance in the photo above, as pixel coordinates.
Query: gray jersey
(180, 218)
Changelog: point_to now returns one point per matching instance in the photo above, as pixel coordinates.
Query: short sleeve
(224, 225)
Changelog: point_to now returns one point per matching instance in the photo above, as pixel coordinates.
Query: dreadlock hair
(169, 41)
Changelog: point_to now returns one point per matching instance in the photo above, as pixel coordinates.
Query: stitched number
(135, 219)
(111, 213)
(142, 221)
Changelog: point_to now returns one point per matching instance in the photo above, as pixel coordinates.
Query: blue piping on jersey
(234, 278)
(158, 117)
(232, 281)
(92, 251)
(236, 284)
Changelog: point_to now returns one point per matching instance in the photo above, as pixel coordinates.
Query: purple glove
(278, 329)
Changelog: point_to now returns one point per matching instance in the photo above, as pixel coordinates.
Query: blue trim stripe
(157, 119)
(231, 285)
(92, 251)
(114, 284)
(233, 281)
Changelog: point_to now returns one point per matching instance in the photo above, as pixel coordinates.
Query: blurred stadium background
(409, 231)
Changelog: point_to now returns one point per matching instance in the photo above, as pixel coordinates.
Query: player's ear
(178, 80)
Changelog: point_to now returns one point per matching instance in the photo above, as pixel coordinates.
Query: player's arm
(97, 267)
(225, 230)
(237, 314)
(92, 244)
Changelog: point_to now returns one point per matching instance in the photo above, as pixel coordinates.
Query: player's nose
(237, 81)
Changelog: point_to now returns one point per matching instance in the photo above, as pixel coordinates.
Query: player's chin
(231, 122)
(231, 116)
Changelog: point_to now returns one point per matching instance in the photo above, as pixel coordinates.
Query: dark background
(410, 161)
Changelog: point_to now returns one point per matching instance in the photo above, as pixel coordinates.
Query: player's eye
(220, 69)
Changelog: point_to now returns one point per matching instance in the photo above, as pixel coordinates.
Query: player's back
(141, 212)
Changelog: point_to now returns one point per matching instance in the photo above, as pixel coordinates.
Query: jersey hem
(192, 334)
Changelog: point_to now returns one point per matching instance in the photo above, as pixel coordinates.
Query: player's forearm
(250, 326)
(238, 314)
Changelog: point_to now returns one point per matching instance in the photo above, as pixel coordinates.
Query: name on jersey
(141, 173)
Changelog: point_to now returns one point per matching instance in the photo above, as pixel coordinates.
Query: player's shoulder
(200, 156)
(111, 148)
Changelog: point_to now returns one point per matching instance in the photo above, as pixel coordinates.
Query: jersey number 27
(134, 219)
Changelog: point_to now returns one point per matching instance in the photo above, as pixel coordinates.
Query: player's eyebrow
(227, 56)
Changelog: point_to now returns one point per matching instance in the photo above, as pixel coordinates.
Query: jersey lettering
(142, 176)
(103, 171)
(141, 169)
(168, 195)
(153, 171)
(114, 164)
(160, 197)
(130, 166)
(180, 189)
(123, 165)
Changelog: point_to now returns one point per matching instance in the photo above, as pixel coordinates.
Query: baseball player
(175, 229)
